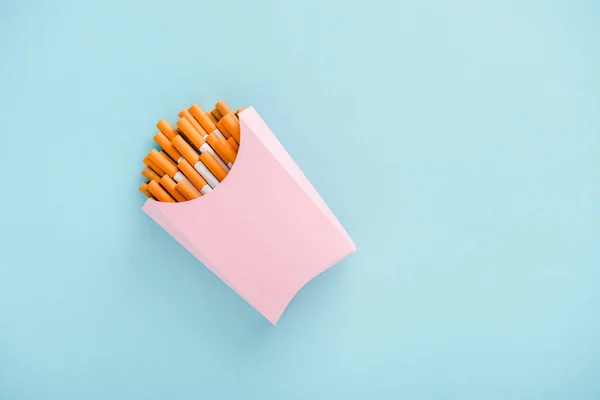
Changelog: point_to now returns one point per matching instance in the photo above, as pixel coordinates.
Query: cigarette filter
(226, 154)
(234, 145)
(170, 169)
(222, 107)
(194, 159)
(213, 166)
(193, 176)
(232, 125)
(150, 175)
(169, 184)
(216, 114)
(203, 119)
(159, 192)
(190, 133)
(151, 164)
(185, 189)
(166, 128)
(185, 114)
(211, 117)
(163, 141)
(144, 189)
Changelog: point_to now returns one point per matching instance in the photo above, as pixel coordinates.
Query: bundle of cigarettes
(195, 157)
(284, 231)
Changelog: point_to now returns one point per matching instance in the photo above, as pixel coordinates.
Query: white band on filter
(218, 133)
(206, 189)
(206, 148)
(180, 177)
(230, 165)
(180, 159)
(206, 174)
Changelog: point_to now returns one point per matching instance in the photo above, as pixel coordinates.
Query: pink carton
(264, 231)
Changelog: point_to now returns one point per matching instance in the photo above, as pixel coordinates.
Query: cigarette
(166, 128)
(231, 125)
(204, 120)
(194, 177)
(185, 149)
(211, 117)
(186, 190)
(194, 159)
(164, 164)
(190, 133)
(170, 184)
(144, 189)
(222, 107)
(233, 144)
(226, 153)
(194, 156)
(198, 142)
(163, 141)
(150, 175)
(159, 192)
(211, 163)
(223, 129)
(216, 114)
(229, 149)
(167, 157)
(153, 166)
(188, 116)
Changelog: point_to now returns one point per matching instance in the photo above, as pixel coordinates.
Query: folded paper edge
(278, 316)
(260, 129)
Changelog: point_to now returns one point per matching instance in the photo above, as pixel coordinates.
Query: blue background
(457, 142)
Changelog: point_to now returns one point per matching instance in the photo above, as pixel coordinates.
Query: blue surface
(458, 144)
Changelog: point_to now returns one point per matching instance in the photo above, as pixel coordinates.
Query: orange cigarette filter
(150, 175)
(202, 118)
(166, 128)
(144, 189)
(211, 117)
(162, 162)
(193, 175)
(163, 141)
(184, 188)
(159, 192)
(223, 149)
(153, 166)
(169, 184)
(213, 166)
(223, 129)
(222, 107)
(231, 124)
(185, 114)
(234, 145)
(167, 157)
(216, 114)
(188, 130)
(239, 110)
(186, 150)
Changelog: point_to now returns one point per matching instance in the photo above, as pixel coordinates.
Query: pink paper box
(264, 231)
